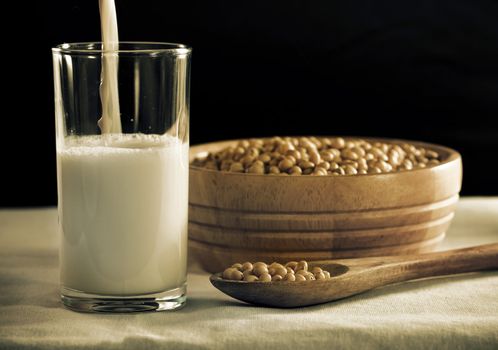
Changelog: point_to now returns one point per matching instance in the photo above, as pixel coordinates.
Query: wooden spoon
(353, 276)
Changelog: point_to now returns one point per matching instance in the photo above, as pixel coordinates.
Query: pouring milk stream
(110, 122)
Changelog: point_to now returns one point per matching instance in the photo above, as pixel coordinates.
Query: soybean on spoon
(354, 276)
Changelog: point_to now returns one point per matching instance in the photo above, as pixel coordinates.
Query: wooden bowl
(235, 217)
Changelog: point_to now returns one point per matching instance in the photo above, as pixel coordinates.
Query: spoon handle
(398, 269)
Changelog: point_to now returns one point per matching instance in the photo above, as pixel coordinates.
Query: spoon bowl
(354, 276)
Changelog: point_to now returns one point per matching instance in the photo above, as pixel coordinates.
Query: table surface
(454, 312)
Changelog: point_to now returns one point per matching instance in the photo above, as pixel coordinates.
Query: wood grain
(320, 221)
(319, 240)
(213, 258)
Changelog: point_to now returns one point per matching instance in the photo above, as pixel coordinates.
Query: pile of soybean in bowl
(293, 271)
(317, 156)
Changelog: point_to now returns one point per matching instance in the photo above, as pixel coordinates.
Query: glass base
(94, 303)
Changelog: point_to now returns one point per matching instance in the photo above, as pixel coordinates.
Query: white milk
(123, 212)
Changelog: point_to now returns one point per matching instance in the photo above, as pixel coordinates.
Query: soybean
(300, 156)
(275, 272)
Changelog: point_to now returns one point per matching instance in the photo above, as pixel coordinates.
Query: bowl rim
(453, 156)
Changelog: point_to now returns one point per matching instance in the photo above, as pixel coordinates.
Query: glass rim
(130, 47)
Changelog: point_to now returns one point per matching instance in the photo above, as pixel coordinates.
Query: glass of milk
(122, 126)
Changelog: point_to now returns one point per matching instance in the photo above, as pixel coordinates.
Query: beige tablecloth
(455, 312)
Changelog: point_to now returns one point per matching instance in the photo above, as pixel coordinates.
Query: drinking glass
(123, 195)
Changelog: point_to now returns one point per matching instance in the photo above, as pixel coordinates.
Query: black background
(415, 69)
